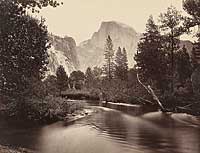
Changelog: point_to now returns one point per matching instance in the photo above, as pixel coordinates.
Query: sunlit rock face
(62, 52)
(91, 52)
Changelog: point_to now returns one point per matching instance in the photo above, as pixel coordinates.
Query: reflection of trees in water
(158, 141)
(174, 136)
(115, 125)
(19, 135)
(162, 120)
(188, 139)
(152, 133)
(170, 139)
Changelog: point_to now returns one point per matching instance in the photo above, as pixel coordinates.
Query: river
(109, 131)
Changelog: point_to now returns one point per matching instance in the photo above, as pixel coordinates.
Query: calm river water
(110, 131)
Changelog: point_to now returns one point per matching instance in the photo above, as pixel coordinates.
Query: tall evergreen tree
(118, 63)
(89, 78)
(121, 64)
(125, 63)
(109, 58)
(62, 79)
(150, 57)
(171, 25)
(192, 7)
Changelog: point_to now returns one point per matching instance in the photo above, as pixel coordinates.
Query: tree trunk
(172, 62)
(74, 85)
(150, 91)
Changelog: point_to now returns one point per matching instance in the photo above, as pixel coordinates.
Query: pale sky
(81, 18)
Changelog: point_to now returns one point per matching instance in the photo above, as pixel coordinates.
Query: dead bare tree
(150, 91)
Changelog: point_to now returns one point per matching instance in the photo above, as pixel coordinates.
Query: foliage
(49, 110)
(183, 65)
(77, 79)
(192, 7)
(50, 84)
(109, 59)
(125, 63)
(23, 50)
(171, 24)
(121, 64)
(98, 76)
(36, 5)
(151, 57)
(61, 79)
(89, 78)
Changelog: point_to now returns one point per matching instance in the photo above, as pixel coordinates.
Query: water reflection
(109, 131)
(19, 135)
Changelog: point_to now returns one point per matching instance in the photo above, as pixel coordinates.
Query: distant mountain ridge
(91, 52)
(62, 52)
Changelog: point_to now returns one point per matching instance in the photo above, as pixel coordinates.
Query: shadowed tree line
(24, 42)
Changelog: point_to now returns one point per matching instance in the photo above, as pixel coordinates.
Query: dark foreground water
(110, 131)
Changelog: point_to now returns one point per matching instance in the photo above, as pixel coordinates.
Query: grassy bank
(43, 111)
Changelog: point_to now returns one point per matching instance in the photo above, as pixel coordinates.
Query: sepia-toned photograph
(99, 76)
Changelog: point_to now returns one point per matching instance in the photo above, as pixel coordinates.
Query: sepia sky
(81, 18)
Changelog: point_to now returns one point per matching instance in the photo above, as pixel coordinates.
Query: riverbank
(69, 119)
(8, 149)
(47, 111)
(134, 109)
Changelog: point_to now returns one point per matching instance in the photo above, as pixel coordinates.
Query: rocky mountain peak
(91, 52)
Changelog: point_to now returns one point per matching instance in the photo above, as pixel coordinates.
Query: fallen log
(145, 100)
(150, 91)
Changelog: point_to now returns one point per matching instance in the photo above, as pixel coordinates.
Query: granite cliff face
(62, 52)
(91, 52)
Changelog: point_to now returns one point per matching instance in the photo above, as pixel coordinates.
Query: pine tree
(109, 61)
(89, 78)
(192, 7)
(121, 64)
(125, 64)
(62, 79)
(118, 63)
(171, 25)
(151, 61)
